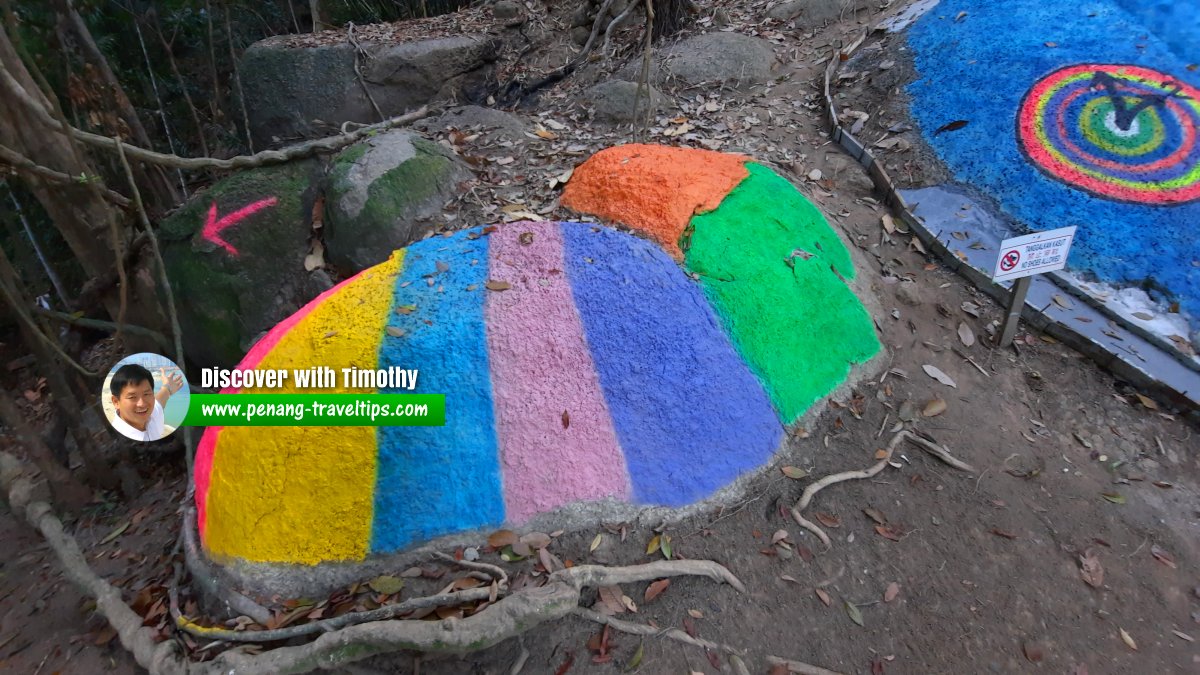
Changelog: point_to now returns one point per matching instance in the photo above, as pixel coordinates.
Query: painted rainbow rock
(650, 368)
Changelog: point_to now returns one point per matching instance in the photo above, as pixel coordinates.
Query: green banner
(316, 410)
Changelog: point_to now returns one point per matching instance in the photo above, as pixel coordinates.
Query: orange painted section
(654, 189)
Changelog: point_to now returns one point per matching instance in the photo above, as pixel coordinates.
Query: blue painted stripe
(688, 413)
(434, 481)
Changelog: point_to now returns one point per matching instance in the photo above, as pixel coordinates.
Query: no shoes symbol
(1010, 260)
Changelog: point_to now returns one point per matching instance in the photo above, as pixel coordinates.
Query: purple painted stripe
(541, 367)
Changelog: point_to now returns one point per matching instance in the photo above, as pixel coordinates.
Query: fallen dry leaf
(794, 472)
(1128, 639)
(655, 589)
(1161, 555)
(965, 334)
(828, 519)
(502, 538)
(1090, 569)
(1034, 652)
(493, 285)
(934, 408)
(875, 515)
(824, 597)
(893, 590)
(937, 374)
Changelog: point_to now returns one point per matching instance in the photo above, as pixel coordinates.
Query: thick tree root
(508, 617)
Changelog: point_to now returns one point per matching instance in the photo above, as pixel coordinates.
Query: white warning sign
(1033, 254)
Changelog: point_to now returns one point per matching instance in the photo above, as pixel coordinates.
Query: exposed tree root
(799, 667)
(235, 603)
(507, 617)
(642, 629)
(832, 479)
(328, 144)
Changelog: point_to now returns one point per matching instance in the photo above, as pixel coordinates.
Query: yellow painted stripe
(304, 494)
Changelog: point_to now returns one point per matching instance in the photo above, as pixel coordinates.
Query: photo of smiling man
(147, 397)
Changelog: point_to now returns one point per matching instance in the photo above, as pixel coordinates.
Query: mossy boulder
(384, 193)
(230, 293)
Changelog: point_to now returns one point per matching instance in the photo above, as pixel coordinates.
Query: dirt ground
(1071, 463)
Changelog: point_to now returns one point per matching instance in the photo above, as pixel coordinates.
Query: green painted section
(799, 326)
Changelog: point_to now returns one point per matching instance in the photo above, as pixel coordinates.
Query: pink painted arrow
(213, 226)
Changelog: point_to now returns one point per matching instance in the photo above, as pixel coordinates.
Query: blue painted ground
(980, 68)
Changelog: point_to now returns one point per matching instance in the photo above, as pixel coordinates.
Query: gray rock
(496, 124)
(908, 293)
(719, 58)
(581, 16)
(304, 91)
(383, 193)
(613, 100)
(814, 12)
(506, 9)
(231, 295)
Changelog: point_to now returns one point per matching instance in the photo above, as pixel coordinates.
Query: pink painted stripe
(208, 442)
(541, 367)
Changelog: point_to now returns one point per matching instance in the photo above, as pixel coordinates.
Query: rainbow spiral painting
(580, 363)
(1118, 131)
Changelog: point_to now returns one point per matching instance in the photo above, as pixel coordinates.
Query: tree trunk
(154, 178)
(82, 427)
(670, 16)
(320, 16)
(82, 217)
(68, 493)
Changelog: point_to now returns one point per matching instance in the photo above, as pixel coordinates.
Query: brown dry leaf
(502, 538)
(610, 600)
(887, 532)
(779, 536)
(893, 589)
(536, 539)
(566, 420)
(1002, 533)
(493, 285)
(1128, 640)
(1090, 569)
(794, 472)
(823, 596)
(951, 126)
(546, 560)
(655, 589)
(1034, 652)
(695, 614)
(934, 408)
(596, 542)
(875, 515)
(1148, 402)
(395, 331)
(828, 519)
(1161, 555)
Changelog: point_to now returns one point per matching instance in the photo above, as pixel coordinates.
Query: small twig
(941, 453)
(644, 77)
(360, 52)
(22, 163)
(799, 667)
(297, 151)
(1139, 548)
(384, 613)
(237, 81)
(99, 324)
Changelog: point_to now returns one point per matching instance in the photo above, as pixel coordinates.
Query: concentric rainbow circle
(1121, 132)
